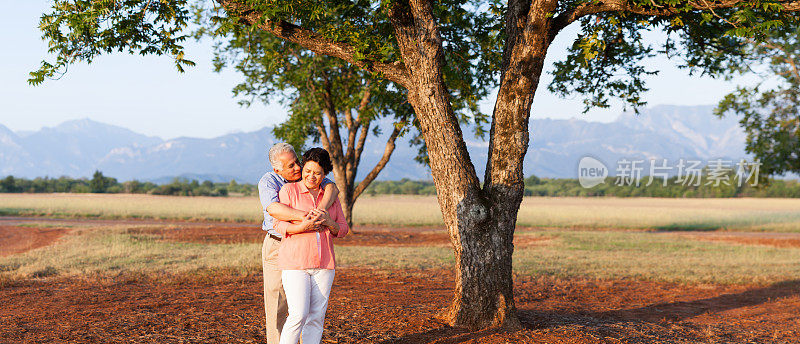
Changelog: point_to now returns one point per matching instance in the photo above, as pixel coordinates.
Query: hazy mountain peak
(80, 124)
(94, 128)
(77, 147)
(5, 132)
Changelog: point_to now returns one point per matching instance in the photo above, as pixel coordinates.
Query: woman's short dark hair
(320, 156)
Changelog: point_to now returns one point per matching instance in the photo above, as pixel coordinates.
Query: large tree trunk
(504, 180)
(481, 223)
(346, 161)
(347, 209)
(346, 168)
(481, 240)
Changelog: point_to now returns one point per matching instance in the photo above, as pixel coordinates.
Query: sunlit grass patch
(44, 225)
(666, 214)
(383, 257)
(398, 210)
(752, 214)
(119, 206)
(115, 251)
(657, 257)
(121, 250)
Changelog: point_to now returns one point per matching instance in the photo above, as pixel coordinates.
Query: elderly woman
(306, 256)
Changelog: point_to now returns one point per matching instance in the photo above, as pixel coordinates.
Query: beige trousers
(274, 297)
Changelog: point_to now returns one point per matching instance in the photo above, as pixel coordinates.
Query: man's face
(291, 167)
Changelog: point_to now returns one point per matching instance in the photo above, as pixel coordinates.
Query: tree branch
(354, 149)
(564, 19)
(786, 57)
(365, 125)
(336, 151)
(318, 122)
(326, 143)
(387, 153)
(308, 39)
(352, 130)
(361, 140)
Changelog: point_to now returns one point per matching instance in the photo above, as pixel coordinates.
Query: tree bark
(387, 153)
(481, 238)
(523, 60)
(480, 221)
(346, 159)
(349, 191)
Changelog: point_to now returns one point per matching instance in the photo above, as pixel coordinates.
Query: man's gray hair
(278, 149)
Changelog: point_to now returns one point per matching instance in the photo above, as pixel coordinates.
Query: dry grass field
(135, 268)
(739, 214)
(110, 250)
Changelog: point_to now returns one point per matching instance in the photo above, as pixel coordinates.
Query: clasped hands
(316, 220)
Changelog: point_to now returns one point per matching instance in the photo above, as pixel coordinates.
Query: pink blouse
(307, 250)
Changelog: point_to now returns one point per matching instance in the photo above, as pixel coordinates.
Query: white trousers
(307, 294)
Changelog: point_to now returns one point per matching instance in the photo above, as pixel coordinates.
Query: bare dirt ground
(378, 306)
(366, 236)
(14, 239)
(396, 307)
(749, 238)
(215, 232)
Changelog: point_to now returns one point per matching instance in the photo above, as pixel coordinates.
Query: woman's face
(312, 174)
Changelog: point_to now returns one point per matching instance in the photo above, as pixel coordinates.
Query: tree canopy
(770, 111)
(420, 46)
(327, 95)
(604, 62)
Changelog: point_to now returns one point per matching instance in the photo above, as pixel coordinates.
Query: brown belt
(273, 236)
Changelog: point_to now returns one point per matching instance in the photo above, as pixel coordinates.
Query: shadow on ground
(694, 227)
(663, 322)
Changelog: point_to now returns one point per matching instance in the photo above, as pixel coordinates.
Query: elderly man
(285, 169)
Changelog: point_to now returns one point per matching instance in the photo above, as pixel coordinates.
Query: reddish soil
(366, 236)
(396, 307)
(208, 234)
(18, 220)
(750, 238)
(376, 306)
(15, 240)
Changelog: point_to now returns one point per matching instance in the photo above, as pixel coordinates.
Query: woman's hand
(324, 217)
(311, 222)
(326, 220)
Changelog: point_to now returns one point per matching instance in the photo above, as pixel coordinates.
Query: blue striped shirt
(268, 188)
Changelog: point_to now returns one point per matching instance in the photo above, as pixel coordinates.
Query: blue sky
(147, 95)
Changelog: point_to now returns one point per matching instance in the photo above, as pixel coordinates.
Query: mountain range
(78, 148)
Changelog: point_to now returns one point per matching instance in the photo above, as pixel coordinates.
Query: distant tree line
(403, 187)
(563, 187)
(534, 186)
(102, 184)
(675, 188)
